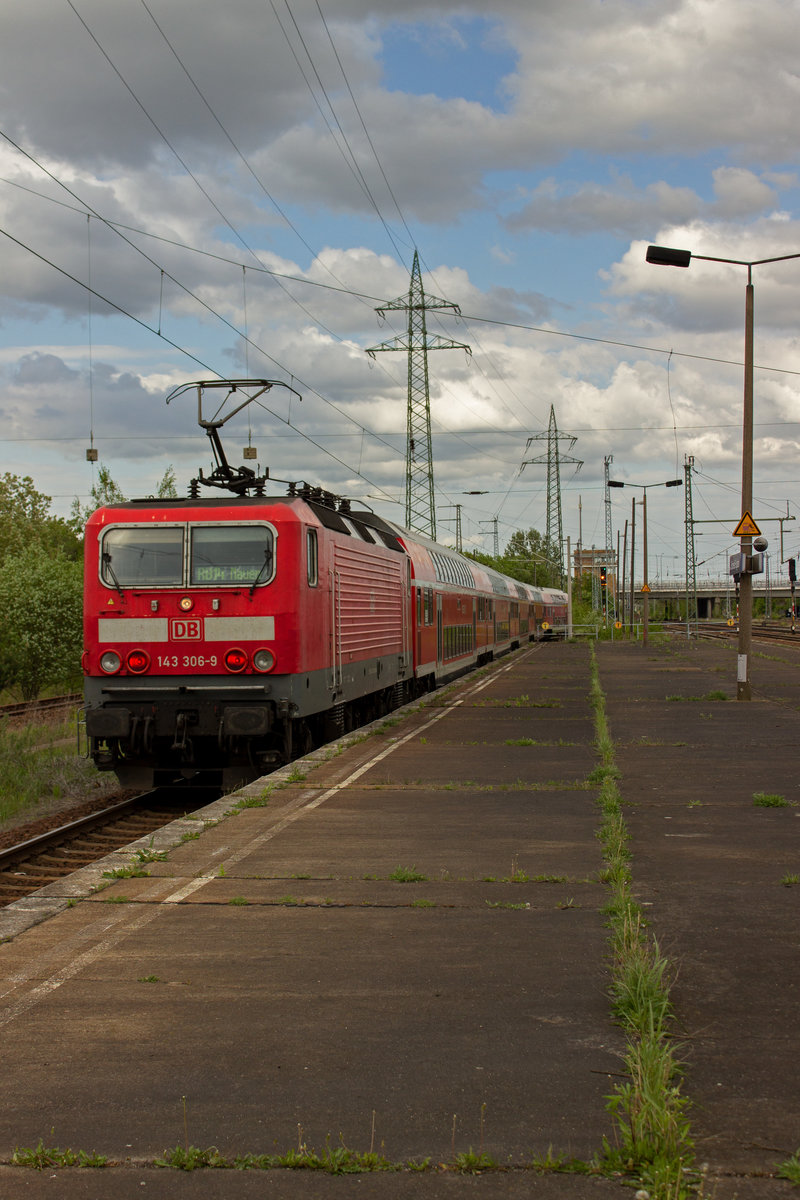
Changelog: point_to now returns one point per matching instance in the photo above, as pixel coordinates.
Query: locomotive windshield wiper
(108, 567)
(262, 572)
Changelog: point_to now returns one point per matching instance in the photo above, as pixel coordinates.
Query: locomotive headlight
(110, 662)
(235, 660)
(186, 604)
(263, 660)
(138, 661)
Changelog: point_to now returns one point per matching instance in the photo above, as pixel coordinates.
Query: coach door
(439, 628)
(336, 630)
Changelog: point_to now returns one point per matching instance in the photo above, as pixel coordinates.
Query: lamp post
(617, 483)
(670, 257)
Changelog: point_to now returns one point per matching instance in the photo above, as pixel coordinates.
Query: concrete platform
(399, 945)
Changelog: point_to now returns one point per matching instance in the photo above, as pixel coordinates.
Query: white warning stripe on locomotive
(159, 629)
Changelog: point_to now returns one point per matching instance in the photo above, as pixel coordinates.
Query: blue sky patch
(463, 57)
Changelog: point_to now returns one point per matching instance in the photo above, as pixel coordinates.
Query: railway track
(34, 708)
(768, 633)
(49, 856)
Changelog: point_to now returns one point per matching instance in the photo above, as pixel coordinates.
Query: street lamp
(617, 483)
(670, 257)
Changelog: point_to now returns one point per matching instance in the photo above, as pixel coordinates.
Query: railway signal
(792, 581)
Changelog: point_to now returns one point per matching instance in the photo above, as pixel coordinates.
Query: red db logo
(185, 631)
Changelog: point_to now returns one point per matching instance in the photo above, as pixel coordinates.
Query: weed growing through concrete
(252, 802)
(132, 872)
(238, 901)
(529, 741)
(407, 875)
(150, 855)
(652, 1128)
(790, 880)
(790, 1169)
(41, 1157)
(770, 800)
(523, 701)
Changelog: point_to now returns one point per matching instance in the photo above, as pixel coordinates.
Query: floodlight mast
(670, 257)
(238, 480)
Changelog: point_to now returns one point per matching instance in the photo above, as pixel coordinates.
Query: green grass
(39, 763)
(132, 872)
(651, 1129)
(41, 1157)
(407, 875)
(790, 1169)
(770, 800)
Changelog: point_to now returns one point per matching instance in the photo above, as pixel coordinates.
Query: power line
(352, 164)
(162, 336)
(282, 214)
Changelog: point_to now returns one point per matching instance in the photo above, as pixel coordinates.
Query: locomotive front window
(134, 557)
(242, 554)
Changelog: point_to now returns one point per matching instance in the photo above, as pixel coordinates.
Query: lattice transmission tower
(420, 507)
(553, 459)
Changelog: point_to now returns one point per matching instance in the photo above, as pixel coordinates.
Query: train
(225, 636)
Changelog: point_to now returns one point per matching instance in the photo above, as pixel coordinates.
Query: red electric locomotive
(225, 636)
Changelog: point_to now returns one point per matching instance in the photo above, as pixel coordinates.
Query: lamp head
(666, 256)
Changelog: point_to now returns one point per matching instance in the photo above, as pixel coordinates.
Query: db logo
(185, 631)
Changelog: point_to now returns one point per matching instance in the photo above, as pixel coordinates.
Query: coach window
(312, 564)
(232, 554)
(131, 556)
(428, 597)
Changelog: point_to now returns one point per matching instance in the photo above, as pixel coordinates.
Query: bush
(41, 596)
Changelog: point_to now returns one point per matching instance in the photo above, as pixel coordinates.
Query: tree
(166, 489)
(25, 519)
(41, 637)
(528, 557)
(105, 492)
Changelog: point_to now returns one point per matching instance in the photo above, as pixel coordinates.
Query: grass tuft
(407, 875)
(770, 800)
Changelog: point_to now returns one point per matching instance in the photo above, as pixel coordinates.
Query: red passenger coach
(225, 636)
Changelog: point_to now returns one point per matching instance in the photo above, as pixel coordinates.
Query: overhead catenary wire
(200, 362)
(260, 268)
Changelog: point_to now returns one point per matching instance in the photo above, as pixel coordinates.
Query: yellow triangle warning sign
(646, 587)
(746, 527)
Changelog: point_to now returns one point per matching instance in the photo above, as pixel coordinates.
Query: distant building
(594, 562)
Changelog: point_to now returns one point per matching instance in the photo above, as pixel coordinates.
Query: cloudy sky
(242, 185)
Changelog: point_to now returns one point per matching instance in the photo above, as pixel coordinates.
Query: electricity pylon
(420, 510)
(553, 458)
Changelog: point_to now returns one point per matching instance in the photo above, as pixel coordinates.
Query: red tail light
(138, 661)
(236, 660)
